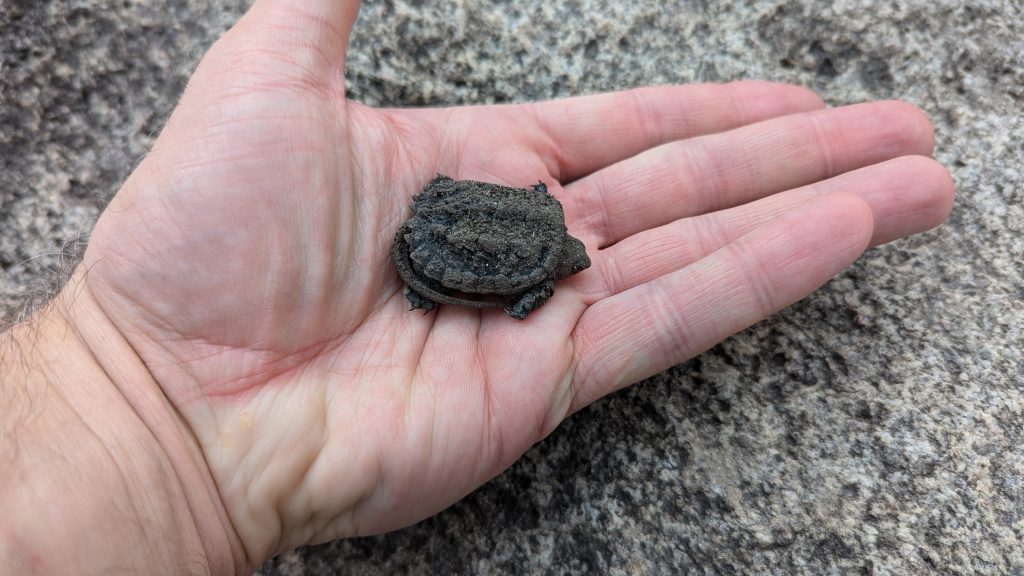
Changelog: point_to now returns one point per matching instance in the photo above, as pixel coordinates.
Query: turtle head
(574, 258)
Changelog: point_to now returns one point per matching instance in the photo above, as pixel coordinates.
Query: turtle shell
(484, 238)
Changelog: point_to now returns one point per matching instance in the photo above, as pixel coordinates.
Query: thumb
(318, 29)
(281, 44)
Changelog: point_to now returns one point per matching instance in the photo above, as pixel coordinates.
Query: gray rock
(873, 428)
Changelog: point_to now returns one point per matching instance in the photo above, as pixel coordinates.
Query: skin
(234, 366)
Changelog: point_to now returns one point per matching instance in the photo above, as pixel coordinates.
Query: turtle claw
(418, 301)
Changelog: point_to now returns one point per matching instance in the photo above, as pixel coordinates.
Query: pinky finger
(634, 334)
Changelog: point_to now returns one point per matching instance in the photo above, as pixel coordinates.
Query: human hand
(246, 263)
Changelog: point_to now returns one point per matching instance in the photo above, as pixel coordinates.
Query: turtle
(471, 243)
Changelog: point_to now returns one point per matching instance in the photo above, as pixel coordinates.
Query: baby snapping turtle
(467, 237)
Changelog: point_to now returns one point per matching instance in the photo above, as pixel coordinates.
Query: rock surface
(875, 427)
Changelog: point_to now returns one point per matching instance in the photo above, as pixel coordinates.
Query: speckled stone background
(874, 428)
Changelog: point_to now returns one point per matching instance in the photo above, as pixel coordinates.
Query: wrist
(97, 471)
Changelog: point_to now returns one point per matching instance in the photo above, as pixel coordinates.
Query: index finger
(588, 133)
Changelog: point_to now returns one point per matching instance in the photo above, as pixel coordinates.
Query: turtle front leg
(530, 299)
(417, 300)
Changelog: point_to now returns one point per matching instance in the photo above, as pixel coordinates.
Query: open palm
(247, 262)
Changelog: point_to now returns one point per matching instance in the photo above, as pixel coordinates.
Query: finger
(699, 175)
(906, 195)
(310, 34)
(590, 132)
(646, 329)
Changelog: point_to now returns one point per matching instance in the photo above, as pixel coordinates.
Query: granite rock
(875, 427)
